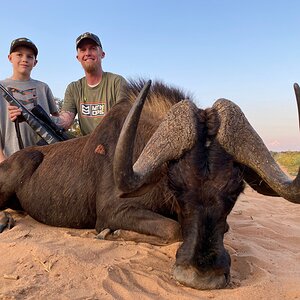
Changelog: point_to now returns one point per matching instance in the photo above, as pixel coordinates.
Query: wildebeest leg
(144, 226)
(14, 172)
(6, 220)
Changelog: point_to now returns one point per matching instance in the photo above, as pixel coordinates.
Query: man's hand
(14, 112)
(2, 157)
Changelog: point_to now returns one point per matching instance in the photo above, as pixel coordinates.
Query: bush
(289, 160)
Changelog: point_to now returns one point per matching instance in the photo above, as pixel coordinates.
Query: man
(23, 57)
(92, 96)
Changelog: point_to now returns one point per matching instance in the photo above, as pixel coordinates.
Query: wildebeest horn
(240, 140)
(175, 135)
(124, 176)
(297, 93)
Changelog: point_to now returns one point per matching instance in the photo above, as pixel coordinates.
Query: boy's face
(23, 60)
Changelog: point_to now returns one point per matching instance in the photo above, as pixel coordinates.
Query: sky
(245, 51)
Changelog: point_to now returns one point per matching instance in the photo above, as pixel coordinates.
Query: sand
(43, 262)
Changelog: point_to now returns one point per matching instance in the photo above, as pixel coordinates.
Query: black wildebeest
(169, 172)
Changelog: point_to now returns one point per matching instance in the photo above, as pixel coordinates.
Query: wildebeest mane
(160, 98)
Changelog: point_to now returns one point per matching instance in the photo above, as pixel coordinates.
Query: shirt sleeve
(69, 103)
(120, 87)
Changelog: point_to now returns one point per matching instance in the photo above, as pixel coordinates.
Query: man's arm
(2, 157)
(65, 119)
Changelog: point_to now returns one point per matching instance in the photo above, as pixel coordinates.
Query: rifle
(38, 120)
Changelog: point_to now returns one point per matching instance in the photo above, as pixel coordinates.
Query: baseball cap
(88, 35)
(23, 42)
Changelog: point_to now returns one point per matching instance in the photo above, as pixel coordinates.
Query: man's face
(89, 54)
(23, 60)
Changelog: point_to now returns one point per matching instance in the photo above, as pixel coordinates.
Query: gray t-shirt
(29, 93)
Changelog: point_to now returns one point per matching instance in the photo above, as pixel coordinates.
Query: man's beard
(91, 67)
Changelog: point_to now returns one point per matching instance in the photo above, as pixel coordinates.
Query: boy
(23, 57)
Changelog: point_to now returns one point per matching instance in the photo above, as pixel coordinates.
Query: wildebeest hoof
(103, 234)
(6, 221)
(117, 233)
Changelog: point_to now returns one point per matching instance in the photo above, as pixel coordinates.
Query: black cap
(23, 42)
(88, 35)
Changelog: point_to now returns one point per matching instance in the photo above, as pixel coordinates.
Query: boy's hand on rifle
(14, 113)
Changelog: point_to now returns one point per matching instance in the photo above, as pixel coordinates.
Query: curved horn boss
(239, 139)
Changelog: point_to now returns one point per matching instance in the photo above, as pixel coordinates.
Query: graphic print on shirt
(27, 97)
(92, 110)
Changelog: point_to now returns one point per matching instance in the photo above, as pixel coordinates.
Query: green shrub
(290, 160)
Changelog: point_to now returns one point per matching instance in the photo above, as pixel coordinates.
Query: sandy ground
(43, 262)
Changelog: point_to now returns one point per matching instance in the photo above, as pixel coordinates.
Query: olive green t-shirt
(92, 103)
